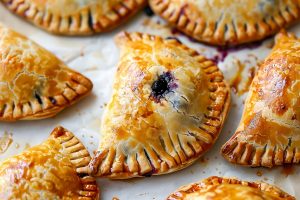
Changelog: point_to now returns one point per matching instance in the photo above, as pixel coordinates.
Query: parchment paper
(96, 57)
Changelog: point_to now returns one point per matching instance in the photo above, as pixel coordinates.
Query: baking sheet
(96, 57)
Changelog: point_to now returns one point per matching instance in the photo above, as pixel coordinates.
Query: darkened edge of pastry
(247, 154)
(48, 106)
(83, 23)
(219, 94)
(214, 180)
(80, 158)
(211, 34)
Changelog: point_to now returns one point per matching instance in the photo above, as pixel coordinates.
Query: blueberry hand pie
(167, 108)
(269, 131)
(217, 188)
(228, 22)
(55, 169)
(75, 17)
(34, 84)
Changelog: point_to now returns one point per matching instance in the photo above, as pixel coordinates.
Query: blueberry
(159, 87)
(163, 85)
(53, 101)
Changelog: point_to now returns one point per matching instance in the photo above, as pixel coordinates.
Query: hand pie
(217, 188)
(167, 108)
(34, 84)
(228, 22)
(55, 169)
(75, 17)
(269, 131)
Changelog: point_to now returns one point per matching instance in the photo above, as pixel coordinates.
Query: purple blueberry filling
(148, 11)
(164, 84)
(53, 101)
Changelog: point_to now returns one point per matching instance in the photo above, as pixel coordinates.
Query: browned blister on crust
(73, 17)
(34, 84)
(269, 131)
(168, 107)
(228, 22)
(55, 169)
(218, 188)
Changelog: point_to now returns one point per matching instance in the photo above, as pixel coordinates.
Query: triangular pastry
(168, 107)
(269, 131)
(55, 169)
(73, 17)
(34, 84)
(217, 188)
(228, 22)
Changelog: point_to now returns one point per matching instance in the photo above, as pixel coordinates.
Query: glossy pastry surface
(34, 84)
(75, 17)
(217, 188)
(55, 169)
(269, 131)
(167, 108)
(227, 22)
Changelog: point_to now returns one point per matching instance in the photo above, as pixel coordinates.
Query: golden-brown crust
(268, 133)
(144, 134)
(228, 22)
(75, 17)
(218, 188)
(34, 84)
(55, 169)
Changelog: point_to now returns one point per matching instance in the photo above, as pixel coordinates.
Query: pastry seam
(225, 34)
(85, 22)
(104, 162)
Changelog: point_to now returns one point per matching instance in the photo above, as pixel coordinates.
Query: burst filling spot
(162, 86)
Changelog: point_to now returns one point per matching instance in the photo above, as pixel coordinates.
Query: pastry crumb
(259, 173)
(93, 68)
(5, 142)
(143, 194)
(82, 52)
(27, 145)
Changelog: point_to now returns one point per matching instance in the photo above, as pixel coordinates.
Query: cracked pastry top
(75, 17)
(269, 131)
(167, 108)
(34, 84)
(55, 169)
(228, 22)
(217, 188)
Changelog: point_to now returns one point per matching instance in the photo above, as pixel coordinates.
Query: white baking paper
(96, 57)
